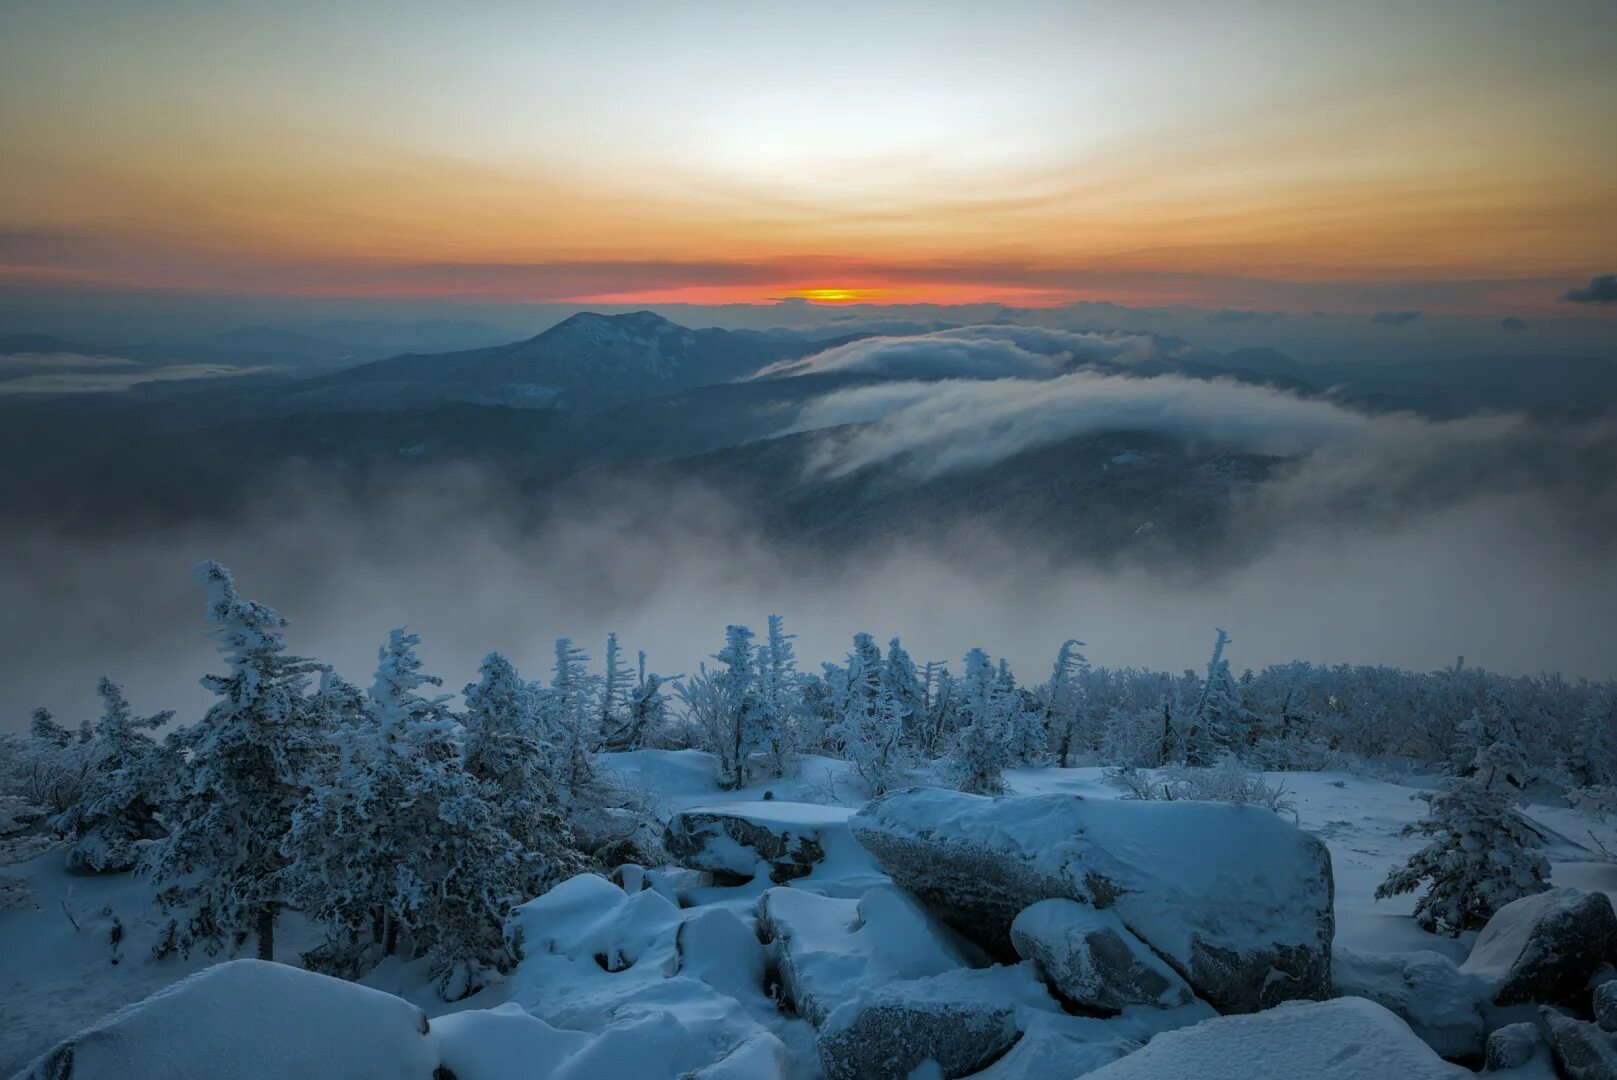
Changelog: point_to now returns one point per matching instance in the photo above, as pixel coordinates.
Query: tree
(1064, 698)
(119, 806)
(1483, 854)
(743, 724)
(1221, 719)
(250, 763)
(909, 695)
(615, 688)
(870, 724)
(1026, 737)
(981, 754)
(780, 704)
(569, 722)
(645, 713)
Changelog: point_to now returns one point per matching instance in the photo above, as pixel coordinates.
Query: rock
(1544, 948)
(1054, 1045)
(1344, 1039)
(961, 1021)
(1605, 1003)
(633, 878)
(481, 1044)
(1090, 958)
(1512, 1046)
(1440, 1003)
(1582, 1051)
(733, 838)
(1234, 898)
(251, 1018)
(716, 947)
(828, 950)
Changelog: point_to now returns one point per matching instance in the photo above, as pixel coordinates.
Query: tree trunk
(266, 932)
(390, 941)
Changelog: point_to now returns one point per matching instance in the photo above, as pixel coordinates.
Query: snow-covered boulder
(1544, 948)
(961, 1021)
(494, 1044)
(251, 1018)
(665, 990)
(1344, 1039)
(1512, 1046)
(1441, 1003)
(828, 950)
(1090, 957)
(762, 1057)
(733, 838)
(1057, 1045)
(1605, 1003)
(1234, 898)
(1582, 1051)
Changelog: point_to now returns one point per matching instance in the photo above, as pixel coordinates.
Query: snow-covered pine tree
(131, 773)
(743, 729)
(567, 716)
(1220, 720)
(615, 686)
(645, 712)
(54, 766)
(780, 702)
(503, 749)
(250, 760)
(870, 726)
(939, 688)
(1063, 699)
(1483, 854)
(1027, 739)
(981, 754)
(904, 684)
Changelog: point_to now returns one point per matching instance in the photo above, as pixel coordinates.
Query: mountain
(586, 361)
(44, 345)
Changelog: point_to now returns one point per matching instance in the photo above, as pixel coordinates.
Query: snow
(694, 997)
(252, 1018)
(1438, 1000)
(1344, 1039)
(1070, 941)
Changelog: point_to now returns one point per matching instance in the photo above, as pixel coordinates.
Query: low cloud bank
(974, 352)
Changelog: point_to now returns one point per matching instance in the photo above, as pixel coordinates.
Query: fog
(1505, 578)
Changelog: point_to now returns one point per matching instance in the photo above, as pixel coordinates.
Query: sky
(1442, 156)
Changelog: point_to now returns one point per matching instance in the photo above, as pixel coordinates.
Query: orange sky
(1028, 153)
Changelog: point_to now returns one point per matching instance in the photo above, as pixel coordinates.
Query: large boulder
(251, 1018)
(1544, 948)
(1089, 957)
(829, 950)
(1513, 1046)
(1441, 1003)
(1605, 1002)
(731, 839)
(1234, 898)
(1582, 1051)
(1344, 1039)
(960, 1021)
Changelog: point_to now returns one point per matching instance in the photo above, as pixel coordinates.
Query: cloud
(1510, 322)
(118, 382)
(927, 430)
(1600, 290)
(974, 352)
(1394, 318)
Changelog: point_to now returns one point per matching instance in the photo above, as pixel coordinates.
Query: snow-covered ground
(60, 969)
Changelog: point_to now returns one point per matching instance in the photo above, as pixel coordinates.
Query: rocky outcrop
(1345, 1039)
(1512, 1046)
(1440, 1003)
(961, 1021)
(1235, 899)
(1090, 959)
(1544, 948)
(732, 839)
(1582, 1051)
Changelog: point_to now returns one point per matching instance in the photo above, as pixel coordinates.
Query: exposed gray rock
(1440, 1003)
(1090, 958)
(1605, 1003)
(1544, 948)
(962, 1021)
(1582, 1051)
(1512, 1046)
(732, 839)
(1234, 898)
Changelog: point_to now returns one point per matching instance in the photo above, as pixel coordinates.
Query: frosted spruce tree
(505, 751)
(1063, 699)
(130, 775)
(981, 754)
(567, 715)
(870, 725)
(1026, 737)
(615, 686)
(909, 695)
(1483, 853)
(250, 761)
(1220, 718)
(743, 729)
(780, 702)
(645, 712)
